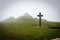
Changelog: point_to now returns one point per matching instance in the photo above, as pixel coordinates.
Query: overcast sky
(50, 9)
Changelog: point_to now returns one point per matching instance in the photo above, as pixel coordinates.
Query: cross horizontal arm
(40, 15)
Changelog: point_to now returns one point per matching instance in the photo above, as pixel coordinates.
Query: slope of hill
(27, 19)
(26, 16)
(53, 24)
(26, 28)
(9, 20)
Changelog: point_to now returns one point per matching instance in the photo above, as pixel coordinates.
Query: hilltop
(27, 19)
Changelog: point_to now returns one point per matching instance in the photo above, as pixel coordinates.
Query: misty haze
(29, 20)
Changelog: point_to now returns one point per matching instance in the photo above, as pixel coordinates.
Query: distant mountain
(24, 17)
(9, 20)
(27, 19)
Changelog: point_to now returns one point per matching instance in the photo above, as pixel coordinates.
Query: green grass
(27, 30)
(24, 32)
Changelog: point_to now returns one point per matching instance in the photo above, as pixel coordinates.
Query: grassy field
(24, 32)
(27, 30)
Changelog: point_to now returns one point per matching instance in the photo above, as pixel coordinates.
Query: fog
(50, 9)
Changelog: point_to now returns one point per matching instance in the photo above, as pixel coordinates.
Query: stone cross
(39, 18)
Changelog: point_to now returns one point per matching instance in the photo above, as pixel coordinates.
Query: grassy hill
(27, 29)
(25, 32)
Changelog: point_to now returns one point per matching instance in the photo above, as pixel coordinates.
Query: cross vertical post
(39, 18)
